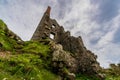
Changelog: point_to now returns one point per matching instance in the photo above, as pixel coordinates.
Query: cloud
(22, 16)
(107, 10)
(97, 25)
(107, 45)
(96, 21)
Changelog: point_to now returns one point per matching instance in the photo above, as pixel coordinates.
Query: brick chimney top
(48, 10)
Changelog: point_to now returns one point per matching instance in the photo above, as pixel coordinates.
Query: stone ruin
(84, 60)
(49, 28)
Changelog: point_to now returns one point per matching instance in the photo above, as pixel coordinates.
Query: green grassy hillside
(30, 60)
(23, 60)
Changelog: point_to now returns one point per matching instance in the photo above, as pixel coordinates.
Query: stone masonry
(86, 60)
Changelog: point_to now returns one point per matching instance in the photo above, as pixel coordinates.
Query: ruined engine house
(49, 28)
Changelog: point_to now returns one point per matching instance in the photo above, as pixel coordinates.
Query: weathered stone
(75, 55)
(64, 58)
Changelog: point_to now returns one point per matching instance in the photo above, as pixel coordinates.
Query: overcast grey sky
(97, 21)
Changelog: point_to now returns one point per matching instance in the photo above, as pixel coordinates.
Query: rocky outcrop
(68, 51)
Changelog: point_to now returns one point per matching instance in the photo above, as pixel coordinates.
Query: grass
(31, 60)
(85, 77)
(36, 48)
(25, 66)
(111, 77)
(28, 64)
(6, 42)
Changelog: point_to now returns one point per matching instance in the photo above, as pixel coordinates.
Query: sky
(97, 21)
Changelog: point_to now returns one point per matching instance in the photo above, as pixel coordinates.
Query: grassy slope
(24, 66)
(26, 63)
(6, 42)
(30, 61)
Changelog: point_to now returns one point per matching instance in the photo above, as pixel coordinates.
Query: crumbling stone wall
(48, 27)
(85, 59)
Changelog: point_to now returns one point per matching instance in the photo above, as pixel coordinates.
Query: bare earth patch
(5, 54)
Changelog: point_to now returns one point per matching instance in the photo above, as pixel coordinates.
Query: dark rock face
(77, 56)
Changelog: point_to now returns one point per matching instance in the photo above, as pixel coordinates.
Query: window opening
(52, 36)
